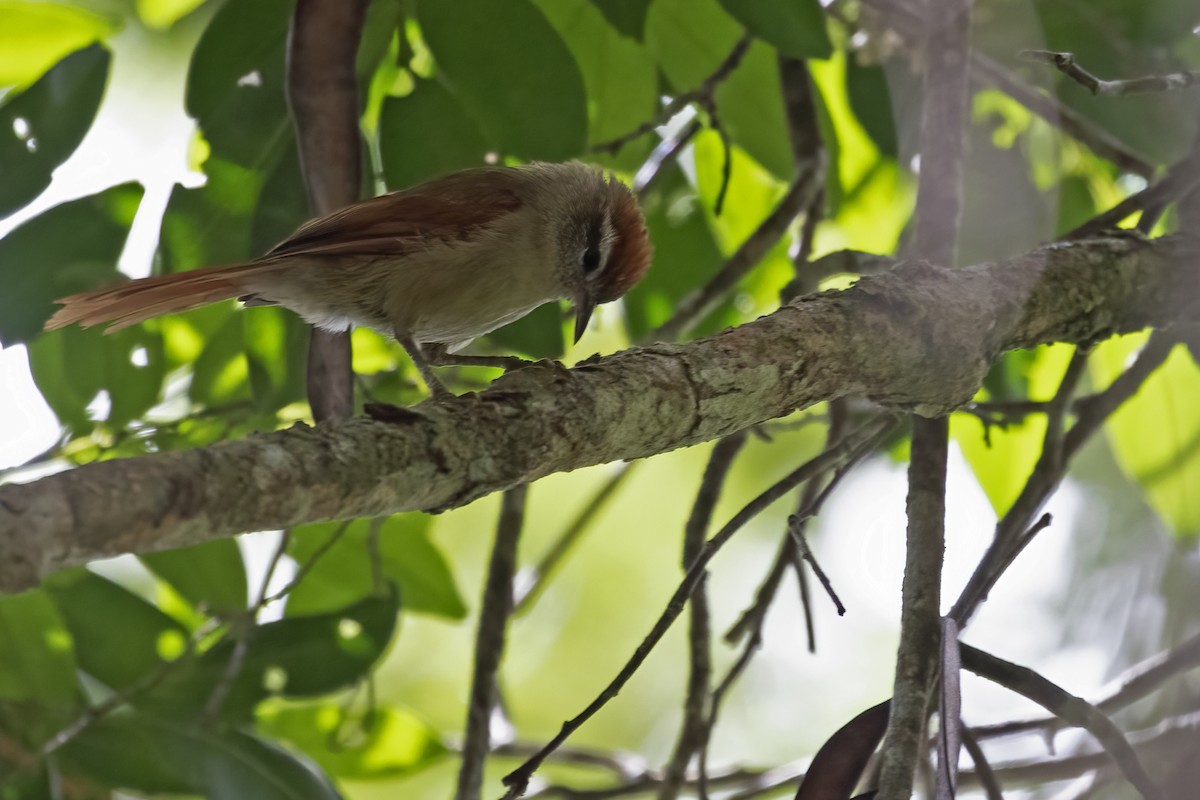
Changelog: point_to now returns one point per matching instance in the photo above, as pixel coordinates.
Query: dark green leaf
(72, 366)
(147, 754)
(210, 574)
(512, 72)
(69, 248)
(297, 657)
(382, 743)
(119, 637)
(867, 90)
(425, 134)
(343, 575)
(43, 125)
(538, 334)
(38, 661)
(619, 74)
(796, 27)
(685, 255)
(690, 39)
(220, 374)
(627, 16)
(236, 79)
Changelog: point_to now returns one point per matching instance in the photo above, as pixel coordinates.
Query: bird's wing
(445, 209)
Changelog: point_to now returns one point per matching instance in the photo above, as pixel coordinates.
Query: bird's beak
(584, 305)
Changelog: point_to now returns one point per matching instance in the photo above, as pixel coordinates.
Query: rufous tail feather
(139, 300)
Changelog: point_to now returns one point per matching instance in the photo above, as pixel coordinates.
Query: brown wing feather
(444, 209)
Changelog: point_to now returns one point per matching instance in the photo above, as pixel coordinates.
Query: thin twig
(304, 569)
(1075, 710)
(810, 506)
(1017, 529)
(693, 308)
(495, 610)
(532, 582)
(243, 629)
(796, 532)
(702, 94)
(691, 730)
(1180, 180)
(949, 714)
(988, 72)
(865, 439)
(987, 778)
(665, 152)
(1139, 681)
(1066, 64)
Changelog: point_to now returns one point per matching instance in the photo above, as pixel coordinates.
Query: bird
(433, 266)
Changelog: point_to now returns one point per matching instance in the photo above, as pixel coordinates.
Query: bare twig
(755, 617)
(1179, 181)
(1138, 682)
(530, 584)
(1075, 710)
(691, 730)
(692, 309)
(865, 439)
(949, 714)
(796, 531)
(243, 629)
(323, 95)
(1066, 64)
(987, 72)
(983, 769)
(495, 609)
(666, 152)
(946, 52)
(702, 95)
(1016, 529)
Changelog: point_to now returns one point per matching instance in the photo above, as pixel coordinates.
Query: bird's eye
(591, 259)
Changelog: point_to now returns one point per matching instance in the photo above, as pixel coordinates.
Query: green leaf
(146, 754)
(381, 743)
(752, 195)
(512, 72)
(296, 657)
(162, 14)
(796, 27)
(1003, 467)
(620, 75)
(871, 100)
(72, 366)
(42, 126)
(35, 36)
(344, 573)
(1155, 435)
(236, 79)
(69, 248)
(211, 574)
(689, 39)
(685, 255)
(538, 334)
(627, 16)
(119, 637)
(425, 134)
(221, 374)
(39, 661)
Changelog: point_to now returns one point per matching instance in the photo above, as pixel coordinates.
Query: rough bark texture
(919, 338)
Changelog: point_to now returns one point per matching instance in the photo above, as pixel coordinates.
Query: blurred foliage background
(354, 683)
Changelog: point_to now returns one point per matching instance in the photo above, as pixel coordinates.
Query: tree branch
(918, 338)
(323, 95)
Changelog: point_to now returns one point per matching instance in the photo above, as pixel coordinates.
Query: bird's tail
(139, 300)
